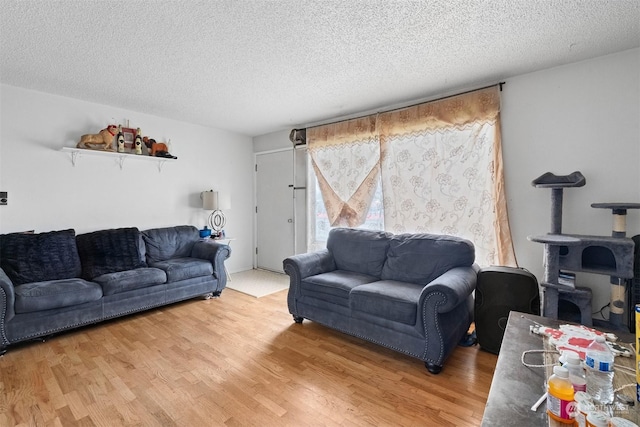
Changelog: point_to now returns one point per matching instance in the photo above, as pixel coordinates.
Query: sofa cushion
(362, 251)
(420, 258)
(38, 296)
(169, 242)
(109, 251)
(27, 258)
(184, 268)
(391, 300)
(334, 286)
(122, 281)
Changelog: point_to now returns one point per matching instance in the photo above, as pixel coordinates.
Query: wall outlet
(3, 198)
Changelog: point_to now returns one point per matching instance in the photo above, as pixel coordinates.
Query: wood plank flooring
(233, 361)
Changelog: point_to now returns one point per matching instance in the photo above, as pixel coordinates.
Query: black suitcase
(500, 290)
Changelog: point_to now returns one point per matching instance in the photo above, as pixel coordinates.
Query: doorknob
(289, 220)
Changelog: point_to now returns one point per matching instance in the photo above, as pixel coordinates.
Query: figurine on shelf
(138, 142)
(157, 149)
(102, 140)
(120, 140)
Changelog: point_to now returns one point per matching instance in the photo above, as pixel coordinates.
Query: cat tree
(612, 256)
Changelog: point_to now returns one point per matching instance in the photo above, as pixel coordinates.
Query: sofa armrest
(301, 266)
(216, 253)
(447, 291)
(7, 300)
(304, 265)
(445, 312)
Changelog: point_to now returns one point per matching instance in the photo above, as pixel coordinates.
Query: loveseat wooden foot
(297, 319)
(433, 368)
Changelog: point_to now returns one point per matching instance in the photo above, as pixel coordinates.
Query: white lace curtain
(440, 165)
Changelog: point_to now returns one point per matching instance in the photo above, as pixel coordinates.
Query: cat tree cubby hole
(599, 255)
(598, 258)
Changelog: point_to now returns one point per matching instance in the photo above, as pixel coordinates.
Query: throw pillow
(109, 251)
(169, 242)
(27, 258)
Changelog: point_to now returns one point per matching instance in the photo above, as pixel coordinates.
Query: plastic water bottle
(576, 372)
(560, 395)
(599, 362)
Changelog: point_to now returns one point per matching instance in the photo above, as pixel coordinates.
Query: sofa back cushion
(169, 242)
(420, 258)
(109, 251)
(361, 251)
(27, 258)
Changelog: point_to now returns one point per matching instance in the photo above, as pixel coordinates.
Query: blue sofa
(410, 292)
(51, 282)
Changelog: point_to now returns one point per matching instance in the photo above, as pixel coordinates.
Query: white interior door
(274, 209)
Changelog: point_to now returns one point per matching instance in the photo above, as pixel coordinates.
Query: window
(319, 220)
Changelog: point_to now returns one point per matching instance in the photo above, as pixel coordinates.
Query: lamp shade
(210, 200)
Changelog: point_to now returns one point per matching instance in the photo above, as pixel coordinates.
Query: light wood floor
(233, 361)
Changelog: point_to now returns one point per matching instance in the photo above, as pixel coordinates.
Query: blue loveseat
(51, 282)
(409, 292)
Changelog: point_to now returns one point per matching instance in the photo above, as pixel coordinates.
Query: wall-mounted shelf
(119, 157)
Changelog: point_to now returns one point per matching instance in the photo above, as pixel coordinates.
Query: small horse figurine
(157, 149)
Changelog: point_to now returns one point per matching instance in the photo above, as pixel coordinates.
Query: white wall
(579, 117)
(47, 193)
(272, 141)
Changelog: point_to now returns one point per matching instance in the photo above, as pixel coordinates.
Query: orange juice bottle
(560, 403)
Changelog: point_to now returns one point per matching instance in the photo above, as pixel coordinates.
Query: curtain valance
(481, 106)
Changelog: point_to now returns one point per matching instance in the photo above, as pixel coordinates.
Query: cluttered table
(515, 388)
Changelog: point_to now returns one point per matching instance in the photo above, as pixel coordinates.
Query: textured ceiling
(258, 66)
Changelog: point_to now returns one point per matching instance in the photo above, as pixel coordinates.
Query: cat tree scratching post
(618, 284)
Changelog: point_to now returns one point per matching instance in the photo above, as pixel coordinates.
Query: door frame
(255, 200)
